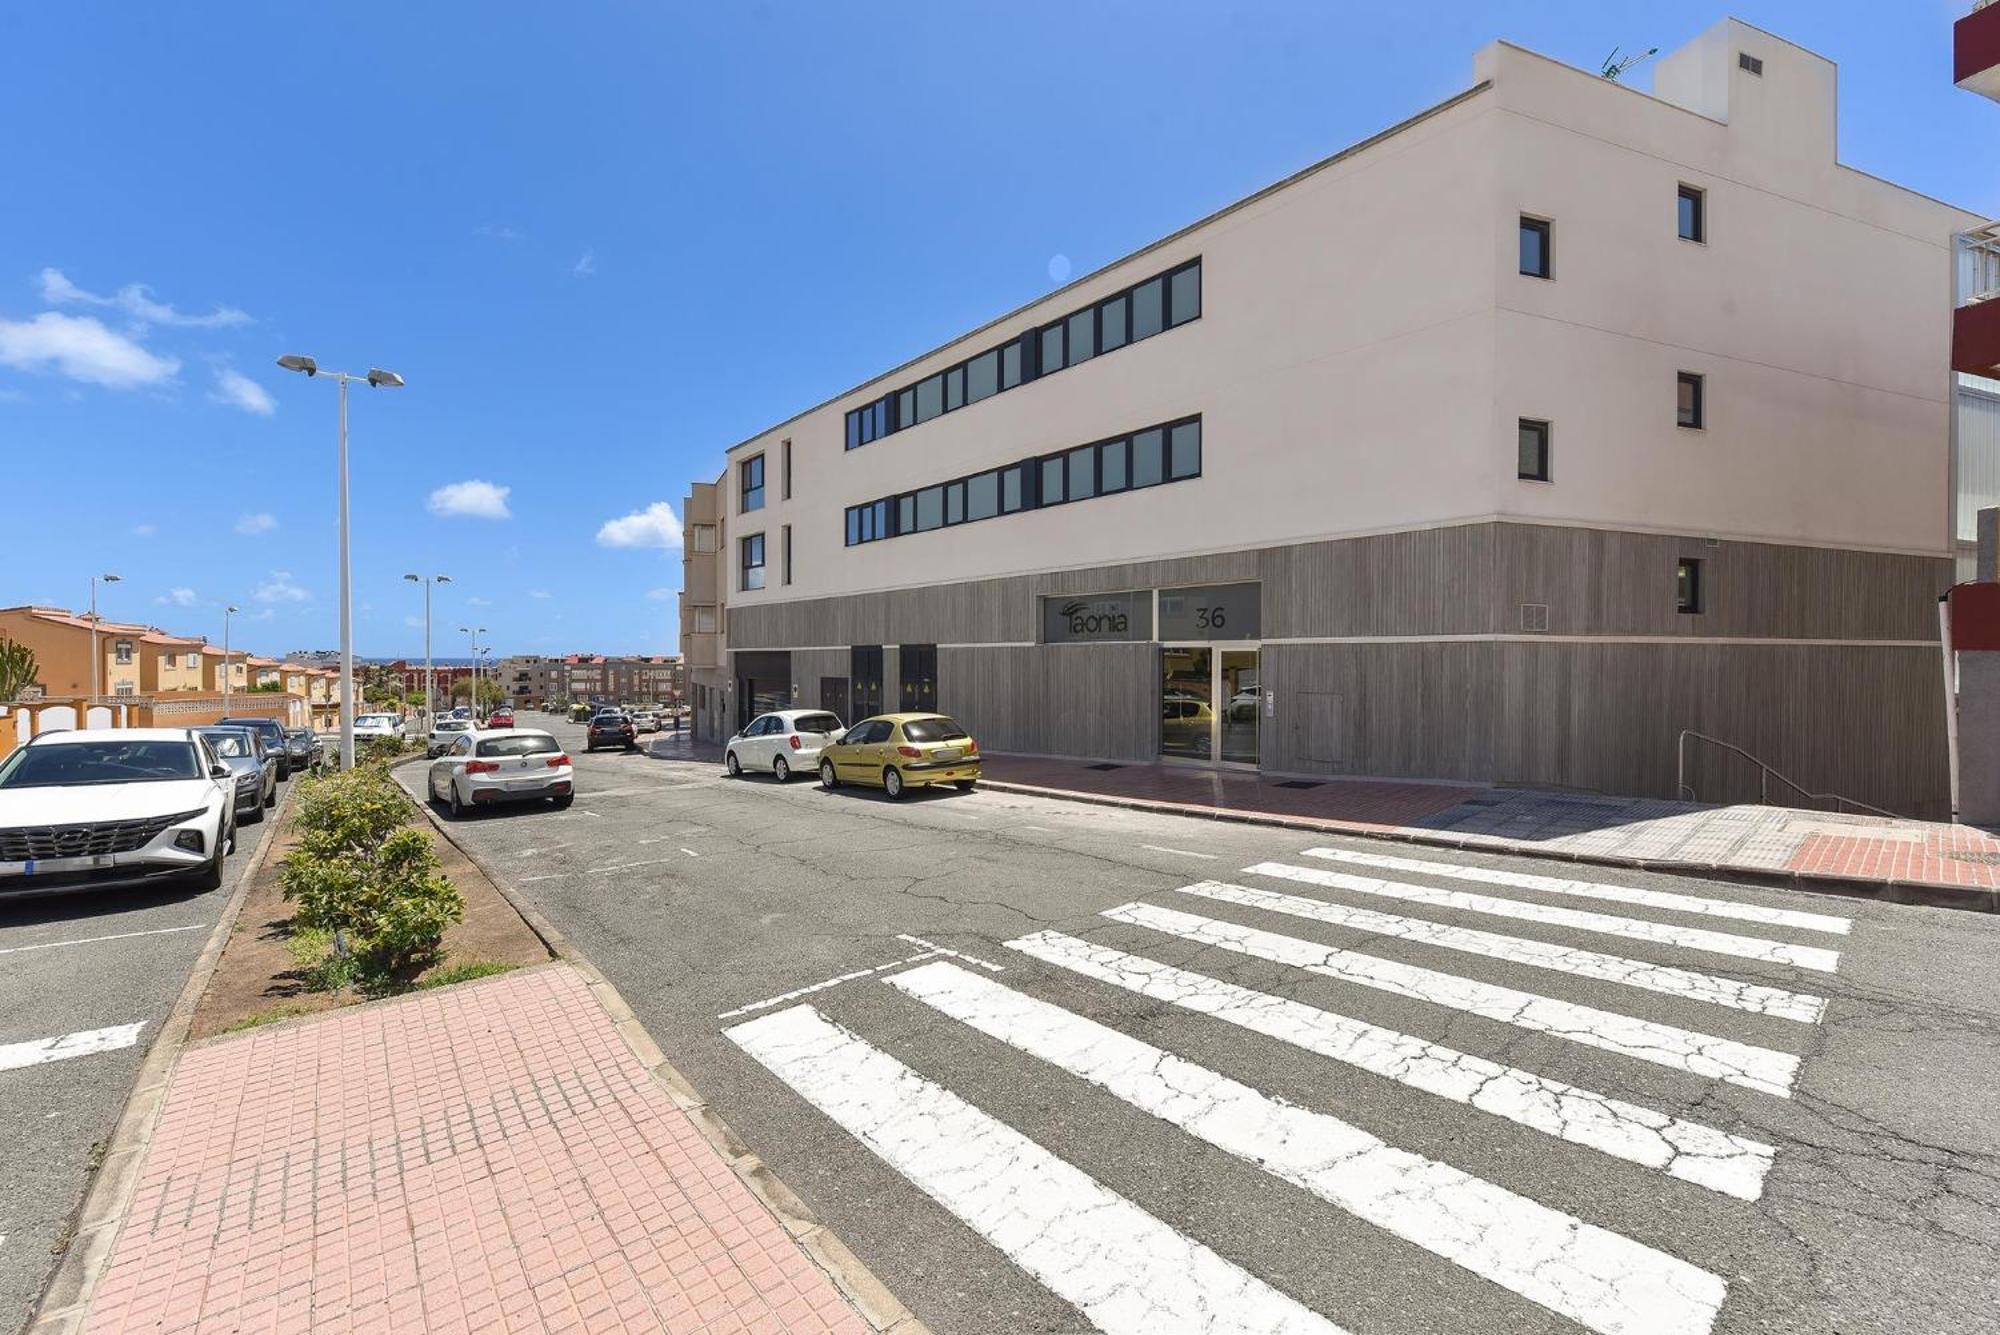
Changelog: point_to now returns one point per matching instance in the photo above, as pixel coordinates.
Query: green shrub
(465, 972)
(360, 872)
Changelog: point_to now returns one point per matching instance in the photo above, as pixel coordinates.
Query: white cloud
(479, 602)
(261, 614)
(655, 526)
(235, 388)
(79, 347)
(662, 595)
(540, 593)
(586, 265)
(473, 499)
(176, 597)
(500, 231)
(252, 525)
(280, 589)
(414, 623)
(136, 301)
(144, 530)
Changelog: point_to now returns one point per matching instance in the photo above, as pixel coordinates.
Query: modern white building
(1505, 445)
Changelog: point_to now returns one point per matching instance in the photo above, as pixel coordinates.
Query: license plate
(946, 753)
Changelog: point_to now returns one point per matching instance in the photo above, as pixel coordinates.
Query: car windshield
(228, 743)
(454, 725)
(82, 763)
(933, 730)
(816, 723)
(527, 744)
(385, 720)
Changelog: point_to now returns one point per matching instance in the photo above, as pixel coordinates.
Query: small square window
(1687, 586)
(1693, 213)
(1534, 450)
(1537, 247)
(1752, 64)
(1690, 409)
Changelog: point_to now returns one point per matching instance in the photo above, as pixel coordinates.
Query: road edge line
(1972, 899)
(65, 1297)
(856, 1282)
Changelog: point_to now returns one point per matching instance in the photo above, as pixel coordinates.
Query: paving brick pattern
(488, 1157)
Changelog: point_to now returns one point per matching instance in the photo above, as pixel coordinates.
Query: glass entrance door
(1210, 703)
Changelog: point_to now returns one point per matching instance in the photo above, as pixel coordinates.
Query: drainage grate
(1301, 783)
(1104, 767)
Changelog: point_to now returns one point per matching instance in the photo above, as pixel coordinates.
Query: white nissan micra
(783, 743)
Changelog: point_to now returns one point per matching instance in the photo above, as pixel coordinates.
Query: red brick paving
(1928, 859)
(487, 1157)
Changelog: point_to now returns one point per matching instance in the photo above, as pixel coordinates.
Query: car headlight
(189, 841)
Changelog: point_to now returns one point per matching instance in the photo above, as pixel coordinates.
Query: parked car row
(103, 808)
(893, 752)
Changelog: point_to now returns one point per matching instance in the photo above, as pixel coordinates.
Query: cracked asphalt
(1822, 1143)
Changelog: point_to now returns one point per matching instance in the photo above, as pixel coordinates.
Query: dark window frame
(745, 487)
(785, 554)
(1689, 595)
(1695, 417)
(745, 565)
(1691, 223)
(1545, 229)
(1540, 427)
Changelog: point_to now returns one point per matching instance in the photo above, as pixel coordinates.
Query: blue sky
(603, 242)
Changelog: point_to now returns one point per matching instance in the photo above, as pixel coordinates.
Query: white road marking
(83, 1043)
(1039, 829)
(1128, 1272)
(93, 940)
(1687, 984)
(1762, 1069)
(1181, 852)
(823, 985)
(1617, 894)
(1582, 920)
(624, 866)
(689, 851)
(1597, 1278)
(1733, 1165)
(607, 792)
(955, 954)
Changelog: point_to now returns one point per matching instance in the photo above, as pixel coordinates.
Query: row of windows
(1170, 452)
(1538, 235)
(1161, 302)
(1690, 410)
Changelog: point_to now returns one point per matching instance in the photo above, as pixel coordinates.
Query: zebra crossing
(1687, 1015)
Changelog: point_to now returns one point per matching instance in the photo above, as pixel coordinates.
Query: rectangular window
(1111, 323)
(1111, 465)
(1534, 446)
(1537, 258)
(954, 503)
(854, 429)
(1149, 309)
(853, 525)
(1010, 488)
(930, 398)
(1746, 61)
(1149, 458)
(785, 467)
(1689, 409)
(1082, 473)
(906, 408)
(1051, 492)
(982, 496)
(704, 620)
(1693, 213)
(1184, 295)
(982, 376)
(1010, 365)
(122, 651)
(906, 513)
(1082, 336)
(1687, 586)
(750, 474)
(1052, 348)
(1184, 451)
(954, 389)
(930, 509)
(752, 549)
(704, 539)
(785, 554)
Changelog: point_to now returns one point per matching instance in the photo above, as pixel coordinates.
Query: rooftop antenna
(1615, 66)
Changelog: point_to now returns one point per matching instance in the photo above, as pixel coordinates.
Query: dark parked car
(612, 730)
(256, 774)
(301, 747)
(271, 733)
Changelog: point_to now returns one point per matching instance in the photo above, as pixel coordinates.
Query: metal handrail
(1765, 774)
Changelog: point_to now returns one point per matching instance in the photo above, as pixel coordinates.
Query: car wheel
(892, 782)
(457, 807)
(284, 771)
(271, 798)
(782, 769)
(562, 803)
(210, 875)
(963, 785)
(733, 765)
(254, 816)
(827, 778)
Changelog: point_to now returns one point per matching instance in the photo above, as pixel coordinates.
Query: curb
(1928, 893)
(65, 1299)
(877, 1305)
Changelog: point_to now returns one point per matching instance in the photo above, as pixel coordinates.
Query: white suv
(114, 807)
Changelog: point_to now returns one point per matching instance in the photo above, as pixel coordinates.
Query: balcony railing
(1975, 330)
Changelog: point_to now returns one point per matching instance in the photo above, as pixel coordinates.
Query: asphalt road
(1185, 1075)
(100, 970)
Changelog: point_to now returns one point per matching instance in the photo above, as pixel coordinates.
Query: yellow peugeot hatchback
(897, 752)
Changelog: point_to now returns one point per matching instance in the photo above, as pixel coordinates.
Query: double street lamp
(472, 644)
(430, 679)
(96, 658)
(379, 379)
(227, 612)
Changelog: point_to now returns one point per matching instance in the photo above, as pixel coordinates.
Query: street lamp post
(430, 677)
(96, 657)
(472, 645)
(227, 612)
(379, 379)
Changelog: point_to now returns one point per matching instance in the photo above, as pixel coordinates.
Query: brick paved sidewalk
(1863, 851)
(490, 1156)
